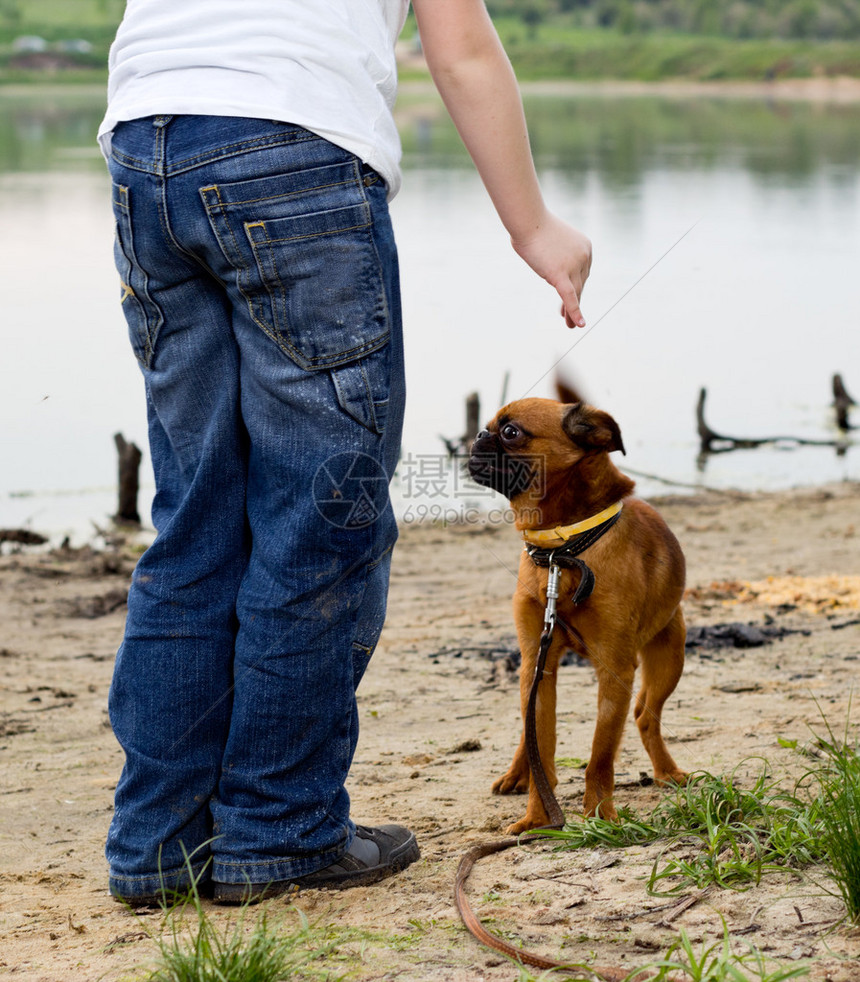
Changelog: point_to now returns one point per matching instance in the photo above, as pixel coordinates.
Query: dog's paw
(668, 778)
(605, 809)
(526, 823)
(519, 827)
(511, 783)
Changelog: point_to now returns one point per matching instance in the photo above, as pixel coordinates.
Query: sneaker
(375, 853)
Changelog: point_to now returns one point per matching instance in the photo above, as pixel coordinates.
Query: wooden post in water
(129, 481)
(842, 403)
(473, 418)
(706, 434)
(462, 444)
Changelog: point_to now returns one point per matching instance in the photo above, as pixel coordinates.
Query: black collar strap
(565, 556)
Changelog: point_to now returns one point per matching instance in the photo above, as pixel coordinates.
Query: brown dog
(552, 461)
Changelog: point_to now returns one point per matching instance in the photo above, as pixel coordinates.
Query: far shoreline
(841, 89)
(837, 89)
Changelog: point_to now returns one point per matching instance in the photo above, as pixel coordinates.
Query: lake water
(727, 250)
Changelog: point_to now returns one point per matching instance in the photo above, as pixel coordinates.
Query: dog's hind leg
(662, 665)
(614, 691)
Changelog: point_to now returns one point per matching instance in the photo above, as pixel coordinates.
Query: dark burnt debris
(701, 640)
(736, 635)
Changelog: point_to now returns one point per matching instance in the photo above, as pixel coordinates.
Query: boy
(252, 152)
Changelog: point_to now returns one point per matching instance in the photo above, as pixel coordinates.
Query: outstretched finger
(570, 308)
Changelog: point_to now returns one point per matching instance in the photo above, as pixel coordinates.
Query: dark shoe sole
(165, 898)
(333, 877)
(232, 894)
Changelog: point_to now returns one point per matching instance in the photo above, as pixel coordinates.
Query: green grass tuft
(249, 945)
(716, 831)
(837, 779)
(712, 961)
(716, 962)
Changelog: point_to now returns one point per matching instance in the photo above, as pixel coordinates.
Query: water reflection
(47, 130)
(622, 138)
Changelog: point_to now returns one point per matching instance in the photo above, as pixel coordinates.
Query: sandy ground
(440, 720)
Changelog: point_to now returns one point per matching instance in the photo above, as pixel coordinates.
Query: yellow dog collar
(545, 537)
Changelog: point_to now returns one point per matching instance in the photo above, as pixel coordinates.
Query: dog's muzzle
(491, 467)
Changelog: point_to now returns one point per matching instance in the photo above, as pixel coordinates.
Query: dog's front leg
(545, 727)
(614, 690)
(545, 731)
(515, 780)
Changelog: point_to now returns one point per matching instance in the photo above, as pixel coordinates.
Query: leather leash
(548, 799)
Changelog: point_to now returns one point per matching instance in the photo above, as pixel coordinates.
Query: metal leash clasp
(551, 596)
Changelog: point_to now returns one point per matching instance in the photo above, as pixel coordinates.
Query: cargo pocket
(142, 314)
(301, 244)
(362, 389)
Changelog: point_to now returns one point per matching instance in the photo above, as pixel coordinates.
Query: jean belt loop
(160, 123)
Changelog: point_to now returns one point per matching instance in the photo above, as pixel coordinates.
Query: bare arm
(478, 86)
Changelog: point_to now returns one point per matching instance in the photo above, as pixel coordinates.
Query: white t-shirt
(326, 65)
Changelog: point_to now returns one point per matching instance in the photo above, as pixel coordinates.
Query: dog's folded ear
(592, 429)
(567, 391)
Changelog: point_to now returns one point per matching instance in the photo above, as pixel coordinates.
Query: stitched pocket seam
(148, 328)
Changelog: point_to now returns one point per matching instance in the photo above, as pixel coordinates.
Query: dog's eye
(510, 432)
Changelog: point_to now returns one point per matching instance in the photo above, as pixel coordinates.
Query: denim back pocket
(143, 315)
(302, 246)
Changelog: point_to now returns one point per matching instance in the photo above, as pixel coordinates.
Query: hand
(561, 255)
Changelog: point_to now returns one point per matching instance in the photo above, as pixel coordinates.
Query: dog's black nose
(483, 435)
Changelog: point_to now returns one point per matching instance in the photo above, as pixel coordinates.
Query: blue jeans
(260, 286)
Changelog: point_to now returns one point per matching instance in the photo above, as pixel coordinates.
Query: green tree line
(795, 19)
